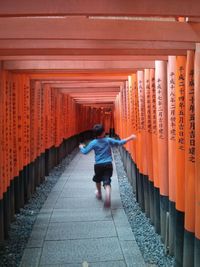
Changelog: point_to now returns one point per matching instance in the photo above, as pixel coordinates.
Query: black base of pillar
(151, 201)
(188, 250)
(146, 195)
(172, 227)
(21, 188)
(157, 210)
(196, 252)
(12, 200)
(141, 191)
(1, 221)
(6, 213)
(164, 208)
(17, 193)
(179, 239)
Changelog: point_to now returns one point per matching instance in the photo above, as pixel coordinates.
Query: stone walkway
(73, 229)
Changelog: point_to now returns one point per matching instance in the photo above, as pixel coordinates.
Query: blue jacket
(102, 149)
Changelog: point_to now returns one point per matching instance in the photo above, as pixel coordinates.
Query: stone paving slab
(78, 251)
(91, 264)
(80, 230)
(68, 215)
(73, 226)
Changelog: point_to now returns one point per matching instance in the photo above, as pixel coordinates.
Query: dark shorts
(103, 173)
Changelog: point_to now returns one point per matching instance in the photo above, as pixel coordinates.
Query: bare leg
(98, 191)
(108, 196)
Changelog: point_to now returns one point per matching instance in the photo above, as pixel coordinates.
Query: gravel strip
(12, 249)
(147, 239)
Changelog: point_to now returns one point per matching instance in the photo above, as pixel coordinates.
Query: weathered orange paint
(190, 144)
(180, 132)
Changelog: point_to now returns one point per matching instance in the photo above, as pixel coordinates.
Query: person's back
(103, 159)
(102, 149)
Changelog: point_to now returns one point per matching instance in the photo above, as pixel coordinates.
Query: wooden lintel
(92, 29)
(100, 8)
(86, 58)
(77, 65)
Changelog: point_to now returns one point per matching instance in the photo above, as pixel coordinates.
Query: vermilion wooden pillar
(180, 157)
(1, 159)
(162, 134)
(189, 225)
(147, 78)
(172, 149)
(197, 153)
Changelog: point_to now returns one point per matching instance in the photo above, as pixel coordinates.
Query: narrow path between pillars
(74, 229)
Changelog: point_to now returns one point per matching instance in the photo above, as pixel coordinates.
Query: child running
(103, 160)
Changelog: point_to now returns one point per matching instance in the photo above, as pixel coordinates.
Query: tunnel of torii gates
(133, 66)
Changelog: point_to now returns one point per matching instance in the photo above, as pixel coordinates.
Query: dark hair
(98, 129)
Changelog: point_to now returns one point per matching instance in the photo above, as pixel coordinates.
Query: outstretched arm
(131, 137)
(123, 141)
(86, 149)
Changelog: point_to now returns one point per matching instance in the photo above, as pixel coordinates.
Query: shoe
(98, 195)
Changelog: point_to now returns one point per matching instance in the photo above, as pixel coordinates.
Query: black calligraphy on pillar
(141, 105)
(148, 106)
(153, 100)
(181, 108)
(172, 107)
(160, 109)
(191, 151)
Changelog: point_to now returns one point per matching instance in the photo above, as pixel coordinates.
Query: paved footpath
(74, 230)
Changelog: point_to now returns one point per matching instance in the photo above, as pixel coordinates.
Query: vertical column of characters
(15, 125)
(161, 109)
(133, 113)
(136, 117)
(47, 104)
(120, 113)
(71, 116)
(180, 132)
(189, 162)
(148, 123)
(27, 116)
(154, 129)
(116, 114)
(33, 150)
(23, 119)
(65, 114)
(197, 154)
(56, 118)
(172, 126)
(53, 119)
(43, 115)
(142, 123)
(123, 111)
(59, 121)
(1, 142)
(127, 88)
(38, 116)
(68, 116)
(75, 116)
(24, 126)
(6, 132)
(10, 129)
(130, 102)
